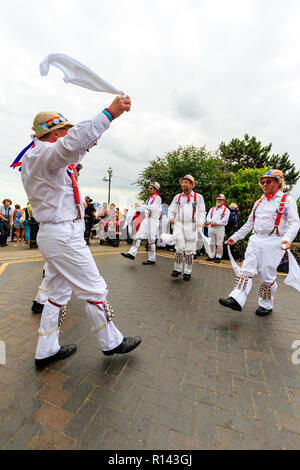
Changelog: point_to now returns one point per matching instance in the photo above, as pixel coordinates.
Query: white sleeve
(172, 211)
(69, 149)
(245, 229)
(292, 221)
(201, 212)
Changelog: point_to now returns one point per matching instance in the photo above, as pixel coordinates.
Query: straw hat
(155, 185)
(277, 174)
(221, 196)
(188, 177)
(46, 121)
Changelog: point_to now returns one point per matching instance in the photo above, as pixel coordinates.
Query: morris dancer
(274, 222)
(47, 176)
(150, 226)
(216, 219)
(186, 213)
(42, 294)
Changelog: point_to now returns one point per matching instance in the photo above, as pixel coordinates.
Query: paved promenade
(204, 377)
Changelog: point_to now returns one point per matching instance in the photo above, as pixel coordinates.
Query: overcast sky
(198, 72)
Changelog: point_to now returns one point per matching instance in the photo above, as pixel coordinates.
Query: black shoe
(128, 344)
(36, 307)
(209, 259)
(175, 273)
(148, 262)
(195, 256)
(187, 277)
(262, 312)
(230, 302)
(217, 260)
(127, 255)
(64, 352)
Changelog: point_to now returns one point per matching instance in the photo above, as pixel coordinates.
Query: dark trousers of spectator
(34, 228)
(4, 231)
(12, 234)
(4, 228)
(87, 232)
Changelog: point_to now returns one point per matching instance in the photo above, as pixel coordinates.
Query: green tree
(167, 171)
(245, 190)
(250, 153)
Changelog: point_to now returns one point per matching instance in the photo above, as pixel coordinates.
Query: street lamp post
(109, 171)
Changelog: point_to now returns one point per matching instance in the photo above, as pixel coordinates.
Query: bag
(23, 217)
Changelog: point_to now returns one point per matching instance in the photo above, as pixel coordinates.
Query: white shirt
(153, 208)
(184, 211)
(44, 171)
(265, 217)
(215, 214)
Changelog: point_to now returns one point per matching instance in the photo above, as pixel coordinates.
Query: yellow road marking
(2, 268)
(163, 255)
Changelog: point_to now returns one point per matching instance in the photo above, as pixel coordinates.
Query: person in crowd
(233, 219)
(33, 227)
(26, 225)
(77, 171)
(89, 219)
(112, 226)
(274, 221)
(150, 226)
(217, 219)
(18, 225)
(57, 206)
(186, 213)
(5, 221)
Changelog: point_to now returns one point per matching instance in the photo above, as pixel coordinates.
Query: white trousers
(43, 295)
(262, 258)
(71, 267)
(148, 229)
(216, 234)
(186, 239)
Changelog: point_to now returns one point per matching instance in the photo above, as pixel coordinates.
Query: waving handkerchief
(77, 73)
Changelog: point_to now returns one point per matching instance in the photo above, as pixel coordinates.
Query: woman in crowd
(5, 221)
(18, 225)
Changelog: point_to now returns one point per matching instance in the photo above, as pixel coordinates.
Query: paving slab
(204, 377)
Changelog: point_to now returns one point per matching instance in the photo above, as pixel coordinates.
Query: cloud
(199, 72)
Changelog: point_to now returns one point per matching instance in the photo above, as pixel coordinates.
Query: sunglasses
(47, 125)
(266, 182)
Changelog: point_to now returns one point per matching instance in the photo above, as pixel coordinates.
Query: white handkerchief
(77, 73)
(293, 277)
(206, 242)
(236, 268)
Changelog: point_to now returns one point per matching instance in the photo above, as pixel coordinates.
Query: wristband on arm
(109, 114)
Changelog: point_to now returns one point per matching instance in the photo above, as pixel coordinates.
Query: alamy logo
(2, 352)
(296, 354)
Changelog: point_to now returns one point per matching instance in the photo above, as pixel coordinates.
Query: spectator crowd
(17, 223)
(103, 221)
